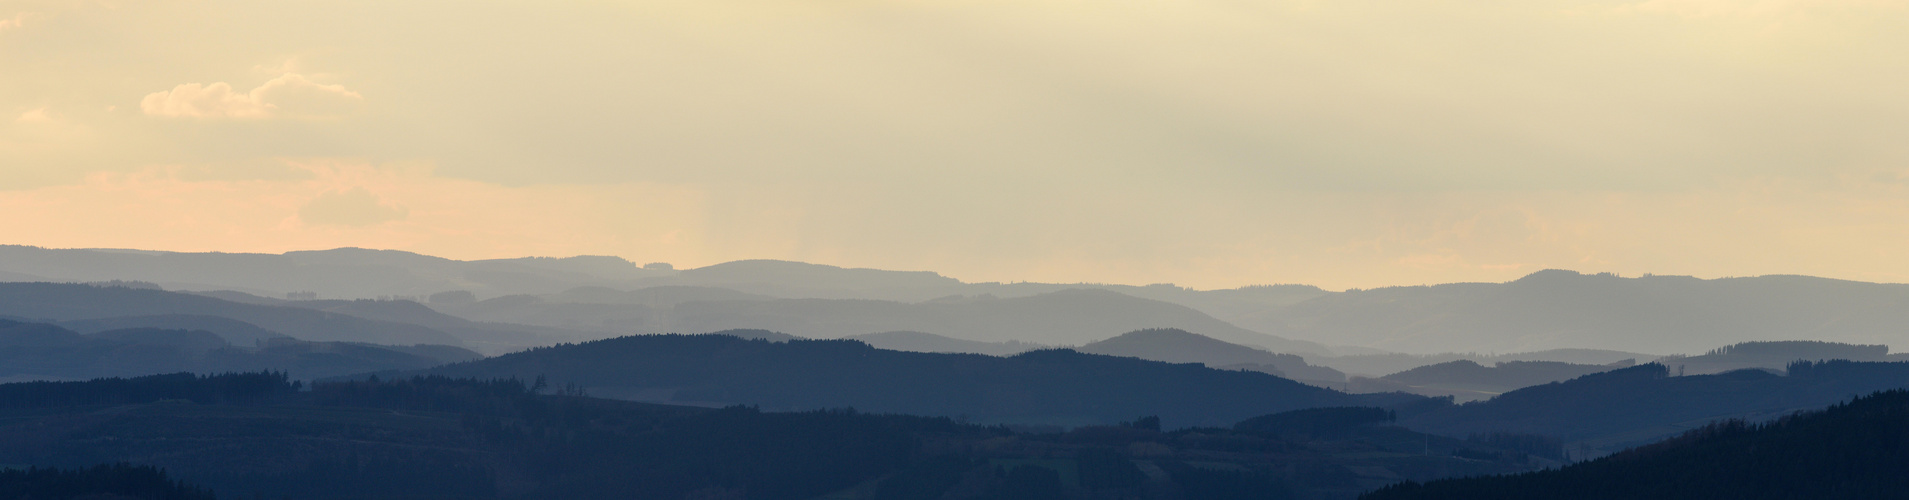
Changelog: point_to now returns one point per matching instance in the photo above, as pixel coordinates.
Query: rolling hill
(1564, 309)
(1040, 387)
(72, 302)
(1180, 346)
(31, 351)
(928, 342)
(1469, 381)
(1067, 317)
(1609, 411)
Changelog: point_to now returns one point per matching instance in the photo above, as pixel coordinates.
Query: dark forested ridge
(1620, 408)
(251, 435)
(100, 482)
(43, 351)
(1047, 386)
(1857, 449)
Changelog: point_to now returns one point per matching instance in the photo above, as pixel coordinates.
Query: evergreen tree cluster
(101, 482)
(202, 389)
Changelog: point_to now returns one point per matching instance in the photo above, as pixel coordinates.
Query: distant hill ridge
(1640, 404)
(45, 351)
(1174, 345)
(1044, 387)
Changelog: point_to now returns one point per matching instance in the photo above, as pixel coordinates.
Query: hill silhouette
(1469, 381)
(1775, 356)
(70, 302)
(1180, 346)
(1039, 387)
(1850, 450)
(1564, 309)
(44, 351)
(928, 342)
(233, 331)
(1631, 406)
(1067, 317)
(1379, 365)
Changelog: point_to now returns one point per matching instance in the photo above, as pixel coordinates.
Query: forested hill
(433, 438)
(1854, 450)
(1640, 404)
(1047, 386)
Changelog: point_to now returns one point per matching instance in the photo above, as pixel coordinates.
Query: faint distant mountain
(1626, 407)
(338, 273)
(928, 342)
(1180, 346)
(1067, 317)
(1852, 450)
(797, 279)
(1043, 387)
(67, 302)
(1376, 365)
(1469, 381)
(1557, 309)
(1775, 356)
(44, 351)
(12, 276)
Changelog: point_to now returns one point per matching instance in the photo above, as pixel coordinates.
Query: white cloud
(33, 115)
(289, 96)
(17, 21)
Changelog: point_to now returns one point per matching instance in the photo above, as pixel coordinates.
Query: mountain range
(1546, 311)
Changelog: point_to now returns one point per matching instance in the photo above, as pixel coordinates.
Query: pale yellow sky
(1209, 143)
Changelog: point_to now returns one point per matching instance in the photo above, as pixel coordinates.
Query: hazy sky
(1210, 143)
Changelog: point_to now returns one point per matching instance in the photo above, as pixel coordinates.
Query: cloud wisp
(289, 96)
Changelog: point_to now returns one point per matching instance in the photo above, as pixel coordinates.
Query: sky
(1207, 143)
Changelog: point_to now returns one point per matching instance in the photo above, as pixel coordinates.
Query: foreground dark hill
(256, 435)
(71, 302)
(1173, 345)
(1044, 387)
(100, 482)
(1563, 309)
(1627, 407)
(43, 351)
(1854, 450)
(1066, 317)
